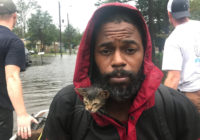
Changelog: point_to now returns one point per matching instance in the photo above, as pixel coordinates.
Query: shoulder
(180, 109)
(12, 41)
(17, 42)
(67, 91)
(66, 97)
(177, 108)
(178, 104)
(62, 106)
(172, 40)
(9, 35)
(178, 99)
(176, 33)
(60, 115)
(193, 22)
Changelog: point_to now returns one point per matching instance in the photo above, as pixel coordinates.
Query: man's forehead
(117, 25)
(118, 30)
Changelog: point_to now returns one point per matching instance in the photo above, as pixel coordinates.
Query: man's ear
(169, 16)
(14, 16)
(82, 91)
(171, 19)
(104, 94)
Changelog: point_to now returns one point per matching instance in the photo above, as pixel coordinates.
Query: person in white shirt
(181, 56)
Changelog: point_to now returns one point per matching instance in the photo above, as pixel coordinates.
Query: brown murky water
(42, 81)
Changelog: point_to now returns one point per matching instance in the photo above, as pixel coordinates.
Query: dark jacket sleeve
(187, 118)
(57, 126)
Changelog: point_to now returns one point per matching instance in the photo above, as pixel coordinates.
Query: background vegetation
(40, 28)
(155, 14)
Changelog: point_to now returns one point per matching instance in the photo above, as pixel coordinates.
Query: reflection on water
(42, 82)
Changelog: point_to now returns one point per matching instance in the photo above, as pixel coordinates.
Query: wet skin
(119, 46)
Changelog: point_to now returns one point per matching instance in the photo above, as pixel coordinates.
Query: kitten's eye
(95, 104)
(85, 103)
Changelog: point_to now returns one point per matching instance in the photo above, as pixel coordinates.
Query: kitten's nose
(89, 108)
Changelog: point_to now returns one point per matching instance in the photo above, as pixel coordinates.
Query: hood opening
(85, 69)
(113, 14)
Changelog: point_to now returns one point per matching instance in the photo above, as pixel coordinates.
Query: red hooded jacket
(145, 97)
(68, 120)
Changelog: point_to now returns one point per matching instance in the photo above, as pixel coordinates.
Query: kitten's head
(93, 98)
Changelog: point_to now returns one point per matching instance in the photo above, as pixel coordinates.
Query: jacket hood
(153, 75)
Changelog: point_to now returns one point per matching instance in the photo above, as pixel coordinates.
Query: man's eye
(106, 52)
(130, 51)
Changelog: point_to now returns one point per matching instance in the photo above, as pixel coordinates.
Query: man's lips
(119, 79)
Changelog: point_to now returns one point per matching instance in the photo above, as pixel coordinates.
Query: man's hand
(24, 125)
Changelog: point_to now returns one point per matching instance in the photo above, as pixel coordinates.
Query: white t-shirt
(182, 52)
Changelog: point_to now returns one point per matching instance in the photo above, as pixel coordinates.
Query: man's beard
(121, 91)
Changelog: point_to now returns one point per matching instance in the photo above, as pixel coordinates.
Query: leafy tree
(41, 28)
(24, 7)
(195, 9)
(155, 14)
(100, 2)
(71, 37)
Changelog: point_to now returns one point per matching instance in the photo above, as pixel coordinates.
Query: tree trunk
(151, 29)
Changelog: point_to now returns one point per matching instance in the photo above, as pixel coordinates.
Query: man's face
(119, 53)
(118, 47)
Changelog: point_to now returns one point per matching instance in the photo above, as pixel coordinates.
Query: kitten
(93, 98)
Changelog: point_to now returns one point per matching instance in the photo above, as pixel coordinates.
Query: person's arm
(14, 88)
(172, 79)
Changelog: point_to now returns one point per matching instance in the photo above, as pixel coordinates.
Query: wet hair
(117, 15)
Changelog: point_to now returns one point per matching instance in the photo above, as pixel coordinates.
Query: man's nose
(118, 60)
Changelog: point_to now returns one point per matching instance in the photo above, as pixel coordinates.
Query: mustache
(117, 73)
(119, 92)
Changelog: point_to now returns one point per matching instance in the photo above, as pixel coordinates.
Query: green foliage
(71, 37)
(157, 60)
(24, 8)
(41, 28)
(156, 18)
(100, 2)
(195, 9)
(18, 31)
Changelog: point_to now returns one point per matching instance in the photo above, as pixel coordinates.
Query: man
(115, 54)
(181, 57)
(12, 59)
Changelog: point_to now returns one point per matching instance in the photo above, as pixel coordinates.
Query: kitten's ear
(104, 94)
(82, 91)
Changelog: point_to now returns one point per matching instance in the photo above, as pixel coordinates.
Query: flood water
(43, 79)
